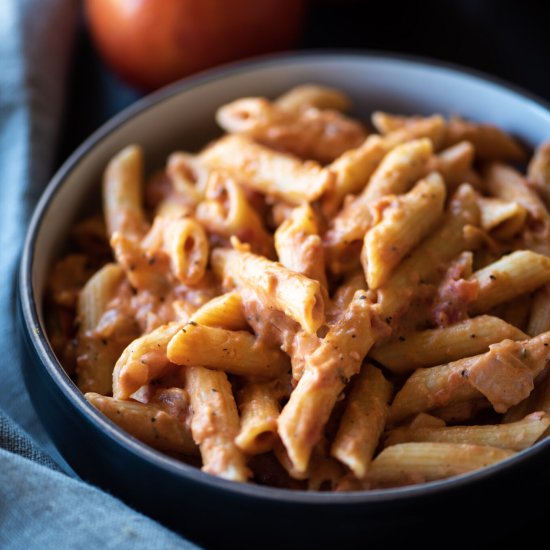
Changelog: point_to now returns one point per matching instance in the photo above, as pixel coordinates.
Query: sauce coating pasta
(316, 303)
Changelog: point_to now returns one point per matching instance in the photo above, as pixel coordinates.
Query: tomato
(150, 43)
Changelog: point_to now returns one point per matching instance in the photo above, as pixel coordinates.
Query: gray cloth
(13, 439)
(40, 505)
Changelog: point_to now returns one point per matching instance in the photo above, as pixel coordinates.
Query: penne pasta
(399, 169)
(122, 203)
(344, 295)
(507, 184)
(363, 421)
(436, 346)
(145, 269)
(275, 174)
(409, 463)
(539, 317)
(353, 170)
(188, 176)
(275, 286)
(490, 142)
(512, 275)
(425, 420)
(503, 218)
(515, 436)
(187, 247)
(325, 474)
(441, 247)
(504, 375)
(461, 412)
(246, 306)
(404, 222)
(225, 311)
(311, 133)
(148, 423)
(327, 370)
(386, 122)
(430, 388)
(226, 211)
(298, 245)
(538, 400)
(235, 352)
(405, 129)
(96, 351)
(538, 172)
(305, 96)
(215, 423)
(454, 164)
(259, 408)
(143, 361)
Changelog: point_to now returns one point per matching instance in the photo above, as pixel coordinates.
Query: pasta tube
(507, 184)
(406, 220)
(259, 407)
(538, 172)
(353, 170)
(402, 129)
(145, 359)
(122, 203)
(539, 317)
(538, 400)
(440, 248)
(281, 176)
(275, 286)
(188, 176)
(363, 421)
(215, 423)
(302, 97)
(187, 247)
(515, 436)
(226, 211)
(327, 371)
(225, 311)
(147, 423)
(510, 276)
(399, 169)
(236, 352)
(504, 375)
(96, 354)
(312, 133)
(344, 295)
(436, 346)
(454, 164)
(299, 246)
(490, 142)
(409, 463)
(504, 218)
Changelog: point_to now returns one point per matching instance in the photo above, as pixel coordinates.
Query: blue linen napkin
(41, 506)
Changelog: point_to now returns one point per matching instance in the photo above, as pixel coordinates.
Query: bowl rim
(42, 348)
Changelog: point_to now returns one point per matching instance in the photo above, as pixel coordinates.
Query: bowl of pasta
(310, 289)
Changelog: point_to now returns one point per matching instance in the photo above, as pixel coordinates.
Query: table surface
(505, 38)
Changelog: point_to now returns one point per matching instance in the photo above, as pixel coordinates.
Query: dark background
(505, 38)
(509, 39)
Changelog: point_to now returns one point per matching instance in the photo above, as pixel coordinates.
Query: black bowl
(214, 511)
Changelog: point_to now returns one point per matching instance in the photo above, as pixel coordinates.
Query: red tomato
(150, 43)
